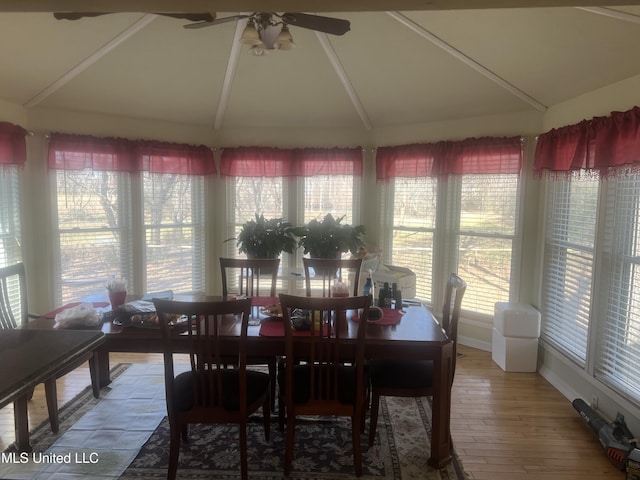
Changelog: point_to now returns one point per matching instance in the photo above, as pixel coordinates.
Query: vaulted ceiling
(429, 62)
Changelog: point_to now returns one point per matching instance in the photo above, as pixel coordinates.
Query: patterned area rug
(323, 450)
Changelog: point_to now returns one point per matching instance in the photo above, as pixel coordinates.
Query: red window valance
(601, 144)
(13, 146)
(299, 162)
(486, 155)
(77, 152)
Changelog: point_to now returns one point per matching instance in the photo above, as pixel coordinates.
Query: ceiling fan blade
(217, 21)
(193, 17)
(334, 26)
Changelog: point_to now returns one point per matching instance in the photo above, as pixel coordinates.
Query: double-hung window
(453, 207)
(93, 231)
(132, 209)
(591, 278)
(174, 232)
(295, 184)
(569, 258)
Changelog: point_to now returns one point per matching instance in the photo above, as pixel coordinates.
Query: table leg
(441, 416)
(21, 420)
(101, 357)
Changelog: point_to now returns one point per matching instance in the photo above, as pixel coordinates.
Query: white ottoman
(516, 329)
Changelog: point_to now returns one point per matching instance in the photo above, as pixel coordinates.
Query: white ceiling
(393, 68)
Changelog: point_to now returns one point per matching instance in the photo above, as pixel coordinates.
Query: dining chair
(413, 378)
(208, 392)
(323, 371)
(253, 277)
(326, 270)
(14, 313)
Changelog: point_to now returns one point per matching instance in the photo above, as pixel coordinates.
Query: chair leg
(174, 450)
(274, 382)
(51, 394)
(281, 415)
(266, 418)
(355, 440)
(94, 371)
(288, 452)
(373, 417)
(244, 474)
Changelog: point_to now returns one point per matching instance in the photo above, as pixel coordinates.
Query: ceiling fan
(192, 17)
(334, 26)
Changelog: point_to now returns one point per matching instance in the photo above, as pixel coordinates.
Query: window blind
(618, 358)
(174, 232)
(569, 263)
(486, 226)
(93, 232)
(10, 232)
(414, 221)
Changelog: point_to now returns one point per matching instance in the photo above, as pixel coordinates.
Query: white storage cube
(516, 320)
(514, 354)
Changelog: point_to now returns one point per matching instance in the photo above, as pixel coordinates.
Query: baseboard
(475, 343)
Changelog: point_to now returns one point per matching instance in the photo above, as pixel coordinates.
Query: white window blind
(618, 358)
(251, 196)
(486, 231)
(332, 194)
(414, 221)
(10, 231)
(174, 232)
(93, 232)
(569, 263)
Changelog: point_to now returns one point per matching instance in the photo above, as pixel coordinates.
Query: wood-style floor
(504, 425)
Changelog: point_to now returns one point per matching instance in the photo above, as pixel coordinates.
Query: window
(261, 181)
(174, 226)
(569, 262)
(94, 231)
(330, 194)
(413, 229)
(129, 208)
(10, 232)
(453, 207)
(618, 340)
(251, 195)
(486, 238)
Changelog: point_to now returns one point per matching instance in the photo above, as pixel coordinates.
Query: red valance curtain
(278, 162)
(13, 146)
(601, 144)
(77, 152)
(486, 155)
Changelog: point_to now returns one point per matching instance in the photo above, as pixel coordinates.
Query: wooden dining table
(416, 336)
(28, 357)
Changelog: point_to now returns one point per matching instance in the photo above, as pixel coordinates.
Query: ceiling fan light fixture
(284, 40)
(250, 36)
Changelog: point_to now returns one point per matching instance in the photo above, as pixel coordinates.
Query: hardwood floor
(504, 425)
(517, 426)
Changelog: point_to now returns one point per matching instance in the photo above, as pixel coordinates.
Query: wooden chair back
(209, 392)
(326, 270)
(13, 297)
(454, 292)
(255, 276)
(324, 371)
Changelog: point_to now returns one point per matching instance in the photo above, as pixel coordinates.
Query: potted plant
(329, 238)
(266, 238)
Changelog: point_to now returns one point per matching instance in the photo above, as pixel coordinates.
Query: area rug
(41, 437)
(322, 451)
